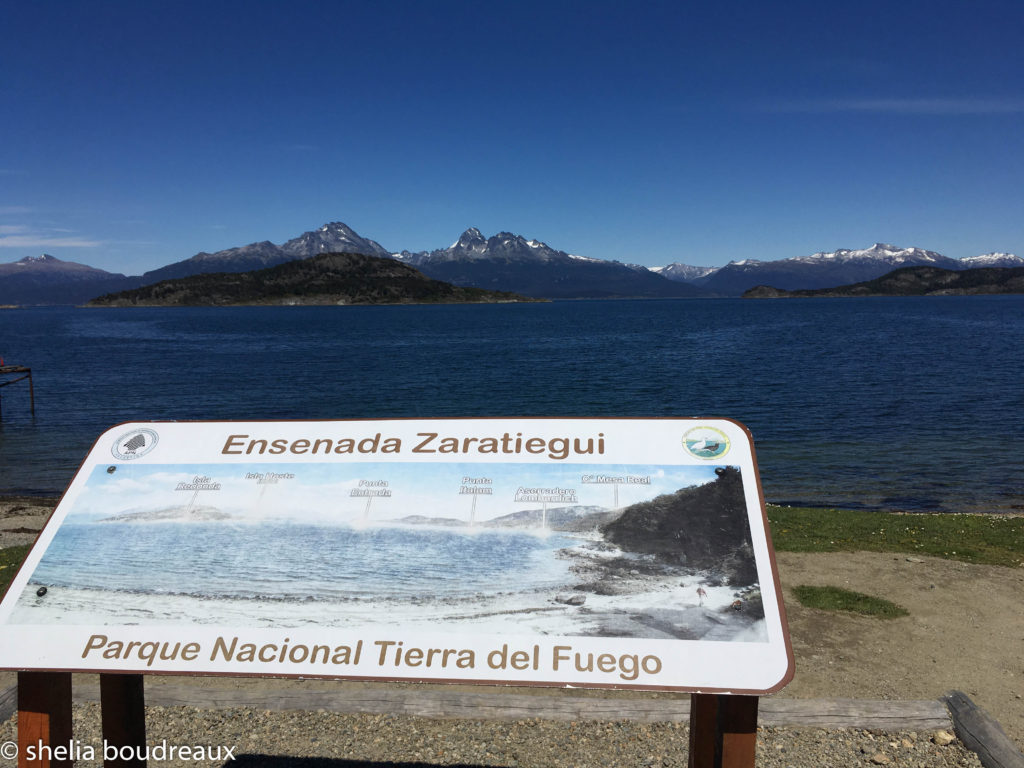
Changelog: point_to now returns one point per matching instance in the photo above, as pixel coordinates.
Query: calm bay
(912, 404)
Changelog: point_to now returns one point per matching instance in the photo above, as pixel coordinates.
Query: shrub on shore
(10, 559)
(839, 599)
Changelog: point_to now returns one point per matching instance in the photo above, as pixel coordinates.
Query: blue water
(912, 404)
(298, 562)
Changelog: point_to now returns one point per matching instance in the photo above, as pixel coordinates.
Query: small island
(328, 279)
(913, 281)
(178, 514)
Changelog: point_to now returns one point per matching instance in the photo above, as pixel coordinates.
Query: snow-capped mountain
(510, 262)
(48, 280)
(879, 253)
(333, 237)
(52, 266)
(991, 260)
(473, 246)
(684, 273)
(829, 269)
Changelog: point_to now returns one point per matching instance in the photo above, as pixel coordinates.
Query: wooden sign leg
(737, 724)
(723, 731)
(123, 707)
(703, 730)
(44, 720)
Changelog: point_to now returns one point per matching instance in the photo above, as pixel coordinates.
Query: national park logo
(706, 443)
(132, 445)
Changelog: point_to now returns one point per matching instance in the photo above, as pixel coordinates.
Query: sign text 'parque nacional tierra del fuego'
(581, 552)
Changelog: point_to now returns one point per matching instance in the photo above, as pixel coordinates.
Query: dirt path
(965, 631)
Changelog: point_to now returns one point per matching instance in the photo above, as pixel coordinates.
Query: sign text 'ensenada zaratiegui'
(586, 552)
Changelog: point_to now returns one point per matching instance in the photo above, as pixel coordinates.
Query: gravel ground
(279, 739)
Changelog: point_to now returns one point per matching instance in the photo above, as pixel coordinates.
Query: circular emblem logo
(706, 443)
(132, 445)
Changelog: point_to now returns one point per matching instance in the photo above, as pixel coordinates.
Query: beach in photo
(612, 551)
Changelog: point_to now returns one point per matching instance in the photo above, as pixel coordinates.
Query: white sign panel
(619, 553)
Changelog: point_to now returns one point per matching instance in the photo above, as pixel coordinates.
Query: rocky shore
(21, 518)
(625, 594)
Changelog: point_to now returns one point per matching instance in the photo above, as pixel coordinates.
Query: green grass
(10, 559)
(987, 539)
(838, 599)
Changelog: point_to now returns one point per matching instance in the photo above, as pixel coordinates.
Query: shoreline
(592, 588)
(650, 613)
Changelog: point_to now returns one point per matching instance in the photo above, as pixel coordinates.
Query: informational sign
(620, 553)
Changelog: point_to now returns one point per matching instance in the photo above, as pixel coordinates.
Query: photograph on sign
(622, 551)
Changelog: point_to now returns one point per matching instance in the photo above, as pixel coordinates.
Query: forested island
(913, 281)
(327, 279)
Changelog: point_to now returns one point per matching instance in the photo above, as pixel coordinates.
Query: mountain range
(334, 237)
(503, 262)
(826, 270)
(535, 269)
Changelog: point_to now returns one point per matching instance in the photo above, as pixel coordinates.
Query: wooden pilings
(14, 370)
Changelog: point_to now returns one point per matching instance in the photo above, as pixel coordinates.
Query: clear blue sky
(135, 134)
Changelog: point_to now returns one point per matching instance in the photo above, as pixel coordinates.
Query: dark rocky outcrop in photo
(702, 527)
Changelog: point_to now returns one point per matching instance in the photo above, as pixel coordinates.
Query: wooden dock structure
(25, 373)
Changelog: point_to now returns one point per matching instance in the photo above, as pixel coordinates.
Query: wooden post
(737, 725)
(44, 720)
(31, 394)
(723, 731)
(981, 733)
(703, 730)
(123, 712)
